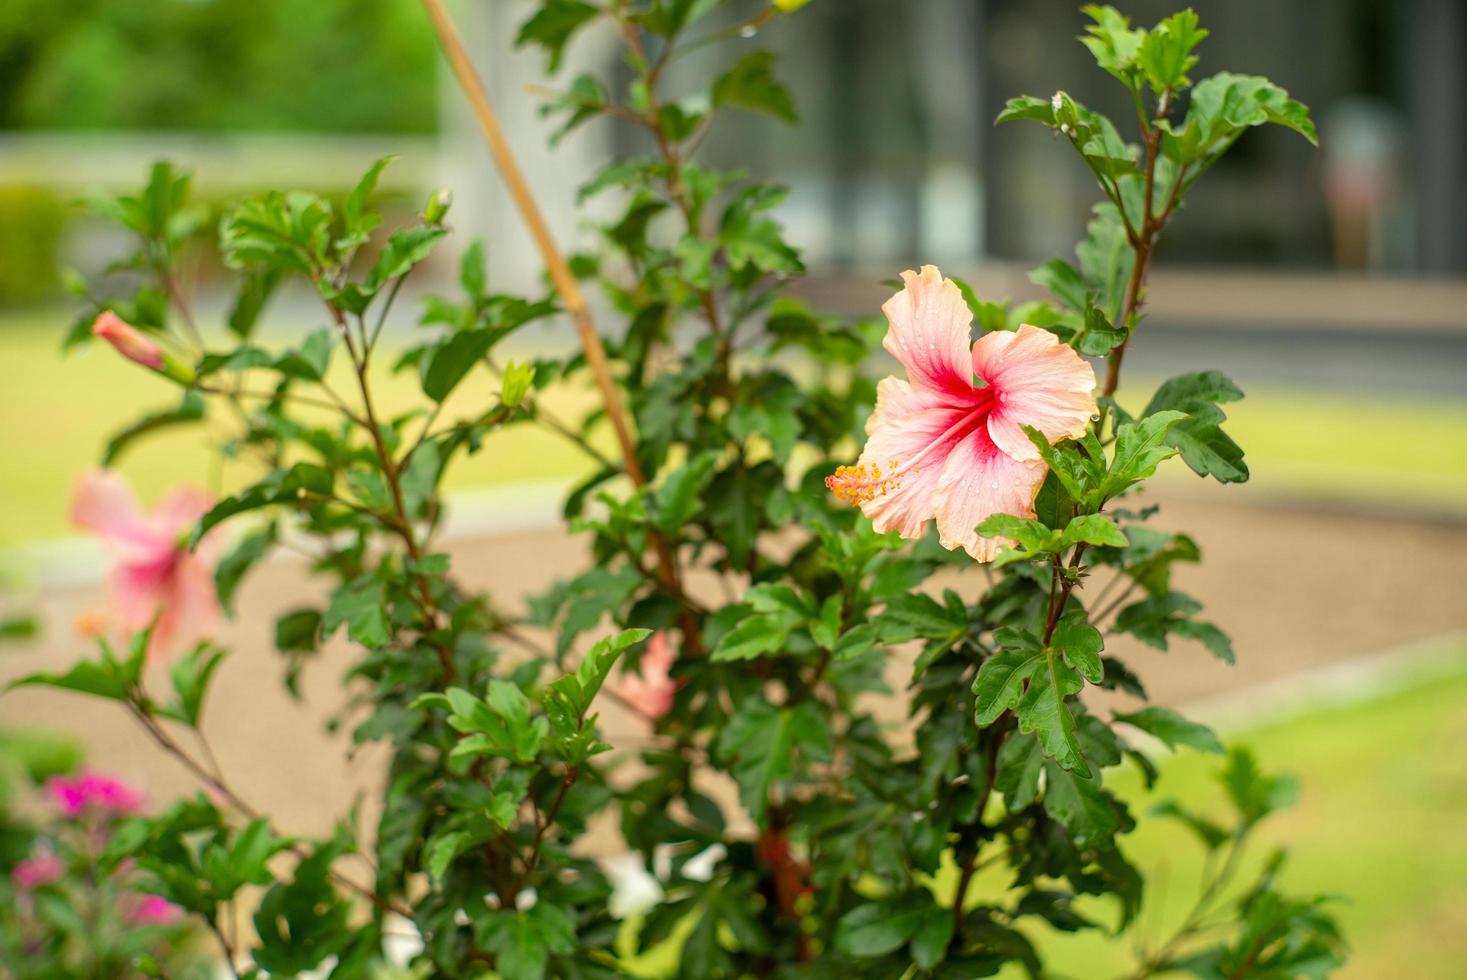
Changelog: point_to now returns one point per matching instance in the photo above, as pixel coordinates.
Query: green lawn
(58, 413)
(1382, 792)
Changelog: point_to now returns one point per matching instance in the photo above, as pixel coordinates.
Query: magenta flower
(130, 342)
(650, 691)
(74, 796)
(154, 574)
(944, 447)
(151, 910)
(41, 868)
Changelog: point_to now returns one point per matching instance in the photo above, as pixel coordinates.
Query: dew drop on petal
(993, 485)
(1095, 418)
(748, 31)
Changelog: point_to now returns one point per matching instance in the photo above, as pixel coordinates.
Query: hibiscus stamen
(861, 483)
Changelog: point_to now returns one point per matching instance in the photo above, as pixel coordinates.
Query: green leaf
(1165, 54)
(1080, 645)
(879, 928)
(405, 248)
(105, 677)
(524, 940)
(552, 26)
(358, 223)
(282, 486)
(761, 741)
(1253, 793)
(1093, 529)
(1075, 799)
(677, 497)
(232, 568)
(361, 607)
(450, 362)
(1172, 728)
(1139, 448)
(254, 293)
(189, 411)
(1000, 682)
(750, 84)
(1113, 42)
(1211, 835)
(298, 631)
(1043, 711)
(1027, 107)
(191, 676)
(1204, 446)
(1106, 262)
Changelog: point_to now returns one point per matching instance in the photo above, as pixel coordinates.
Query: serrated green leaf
(1172, 728)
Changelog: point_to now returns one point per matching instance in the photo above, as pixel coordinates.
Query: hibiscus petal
(191, 612)
(1036, 381)
(179, 510)
(929, 330)
(906, 433)
(102, 502)
(978, 481)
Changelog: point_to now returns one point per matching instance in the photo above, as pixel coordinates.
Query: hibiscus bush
(843, 718)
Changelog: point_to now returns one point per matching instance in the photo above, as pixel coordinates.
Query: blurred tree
(212, 64)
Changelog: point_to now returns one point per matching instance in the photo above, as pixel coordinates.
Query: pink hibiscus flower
(41, 868)
(150, 910)
(944, 447)
(73, 796)
(650, 691)
(154, 573)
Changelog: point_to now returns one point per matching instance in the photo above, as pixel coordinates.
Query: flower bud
(137, 347)
(437, 207)
(130, 342)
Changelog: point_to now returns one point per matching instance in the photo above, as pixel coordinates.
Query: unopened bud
(437, 207)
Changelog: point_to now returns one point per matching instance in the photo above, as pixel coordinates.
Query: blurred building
(896, 160)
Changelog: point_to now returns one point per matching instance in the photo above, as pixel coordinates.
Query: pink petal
(978, 481)
(651, 692)
(180, 509)
(1036, 381)
(929, 329)
(904, 456)
(103, 503)
(191, 612)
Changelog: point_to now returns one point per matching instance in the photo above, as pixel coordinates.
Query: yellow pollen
(861, 483)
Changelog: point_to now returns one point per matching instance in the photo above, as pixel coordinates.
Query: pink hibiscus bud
(137, 347)
(150, 910)
(650, 692)
(89, 792)
(941, 447)
(41, 868)
(155, 579)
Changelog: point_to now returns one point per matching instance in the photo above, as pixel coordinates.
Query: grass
(1378, 824)
(59, 412)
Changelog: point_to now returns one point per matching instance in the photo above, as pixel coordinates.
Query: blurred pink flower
(154, 573)
(86, 790)
(41, 868)
(650, 691)
(151, 910)
(942, 447)
(130, 342)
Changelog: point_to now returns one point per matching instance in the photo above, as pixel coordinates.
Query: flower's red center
(864, 482)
